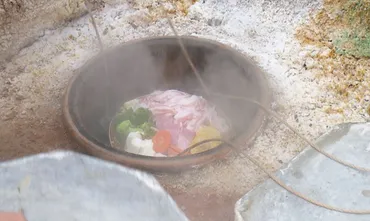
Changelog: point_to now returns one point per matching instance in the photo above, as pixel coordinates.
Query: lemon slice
(205, 133)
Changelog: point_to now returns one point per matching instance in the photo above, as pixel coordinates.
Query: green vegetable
(148, 130)
(125, 115)
(140, 116)
(137, 117)
(135, 121)
(124, 127)
(133, 129)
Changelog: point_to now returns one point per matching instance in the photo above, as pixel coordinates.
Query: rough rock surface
(69, 186)
(33, 81)
(319, 178)
(22, 22)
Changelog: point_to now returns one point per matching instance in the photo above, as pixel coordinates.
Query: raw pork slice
(181, 114)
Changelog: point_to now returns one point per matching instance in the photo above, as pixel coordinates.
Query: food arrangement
(167, 123)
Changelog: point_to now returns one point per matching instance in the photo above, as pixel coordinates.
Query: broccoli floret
(140, 116)
(124, 127)
(135, 121)
(125, 114)
(135, 129)
(148, 131)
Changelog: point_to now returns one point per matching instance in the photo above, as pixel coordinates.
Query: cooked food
(166, 123)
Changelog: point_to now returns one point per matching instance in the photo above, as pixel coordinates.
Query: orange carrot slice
(161, 141)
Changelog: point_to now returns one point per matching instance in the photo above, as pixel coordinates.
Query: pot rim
(166, 163)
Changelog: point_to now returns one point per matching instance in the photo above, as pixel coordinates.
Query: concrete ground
(32, 84)
(320, 179)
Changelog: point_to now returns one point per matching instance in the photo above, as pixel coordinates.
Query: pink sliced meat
(181, 114)
(185, 138)
(181, 137)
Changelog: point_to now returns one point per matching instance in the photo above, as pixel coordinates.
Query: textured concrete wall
(23, 21)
